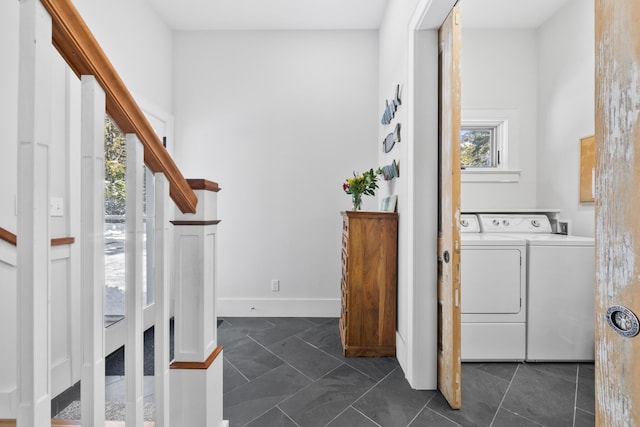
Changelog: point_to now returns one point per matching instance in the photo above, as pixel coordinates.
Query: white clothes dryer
(560, 287)
(493, 294)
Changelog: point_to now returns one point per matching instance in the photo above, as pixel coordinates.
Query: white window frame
(498, 145)
(501, 120)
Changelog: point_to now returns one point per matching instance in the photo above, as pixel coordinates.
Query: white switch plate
(275, 285)
(56, 206)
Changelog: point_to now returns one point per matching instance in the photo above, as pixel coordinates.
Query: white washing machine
(493, 294)
(560, 287)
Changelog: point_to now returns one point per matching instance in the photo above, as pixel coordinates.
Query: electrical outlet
(275, 285)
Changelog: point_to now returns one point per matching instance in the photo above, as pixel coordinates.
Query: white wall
(410, 58)
(565, 110)
(279, 119)
(499, 78)
(138, 44)
(9, 21)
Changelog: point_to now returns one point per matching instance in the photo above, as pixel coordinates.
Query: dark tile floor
(291, 372)
(282, 372)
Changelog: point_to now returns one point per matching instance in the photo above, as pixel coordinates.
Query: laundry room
(539, 84)
(527, 101)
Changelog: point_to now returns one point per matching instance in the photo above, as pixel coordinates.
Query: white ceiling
(270, 14)
(507, 13)
(336, 14)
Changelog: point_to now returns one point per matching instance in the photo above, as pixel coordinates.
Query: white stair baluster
(134, 233)
(33, 229)
(162, 262)
(92, 238)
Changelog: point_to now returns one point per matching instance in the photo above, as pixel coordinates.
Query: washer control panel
(514, 223)
(469, 223)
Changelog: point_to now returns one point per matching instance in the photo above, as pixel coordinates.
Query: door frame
(420, 97)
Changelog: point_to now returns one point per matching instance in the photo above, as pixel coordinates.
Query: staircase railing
(76, 44)
(197, 373)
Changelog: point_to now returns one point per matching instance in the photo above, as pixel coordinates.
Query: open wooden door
(449, 367)
(617, 366)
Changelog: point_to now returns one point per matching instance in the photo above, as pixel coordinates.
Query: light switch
(56, 206)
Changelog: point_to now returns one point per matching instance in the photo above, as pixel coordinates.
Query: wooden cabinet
(369, 278)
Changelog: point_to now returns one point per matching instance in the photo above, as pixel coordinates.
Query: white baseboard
(282, 307)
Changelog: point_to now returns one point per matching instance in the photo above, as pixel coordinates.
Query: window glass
(115, 151)
(478, 147)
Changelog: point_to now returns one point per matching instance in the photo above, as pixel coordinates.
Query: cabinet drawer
(345, 225)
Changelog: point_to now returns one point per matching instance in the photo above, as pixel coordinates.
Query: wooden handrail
(83, 54)
(8, 236)
(12, 239)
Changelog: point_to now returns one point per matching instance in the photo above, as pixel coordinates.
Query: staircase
(188, 391)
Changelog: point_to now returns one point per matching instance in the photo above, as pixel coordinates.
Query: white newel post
(33, 269)
(162, 300)
(196, 373)
(133, 265)
(92, 258)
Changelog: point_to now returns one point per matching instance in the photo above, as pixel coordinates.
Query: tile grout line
(361, 396)
(238, 370)
(575, 397)
(361, 413)
(426, 407)
(504, 396)
(420, 411)
(286, 415)
(284, 361)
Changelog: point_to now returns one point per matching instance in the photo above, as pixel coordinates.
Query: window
(481, 144)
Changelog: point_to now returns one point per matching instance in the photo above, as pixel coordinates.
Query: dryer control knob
(535, 223)
(505, 222)
(464, 222)
(495, 222)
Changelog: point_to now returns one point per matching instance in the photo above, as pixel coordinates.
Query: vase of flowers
(365, 183)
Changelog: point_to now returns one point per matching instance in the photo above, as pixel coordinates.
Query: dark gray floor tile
(233, 330)
(584, 419)
(374, 367)
(253, 399)
(231, 377)
(252, 359)
(429, 418)
(501, 370)
(541, 396)
(392, 401)
(351, 418)
(323, 400)
(566, 371)
(283, 328)
(585, 398)
(304, 357)
(273, 418)
(320, 320)
(482, 393)
(326, 337)
(506, 418)
(230, 337)
(300, 323)
(248, 323)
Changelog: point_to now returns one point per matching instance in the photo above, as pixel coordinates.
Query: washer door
(491, 281)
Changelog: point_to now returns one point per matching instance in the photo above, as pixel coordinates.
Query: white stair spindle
(92, 237)
(162, 275)
(134, 232)
(33, 230)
